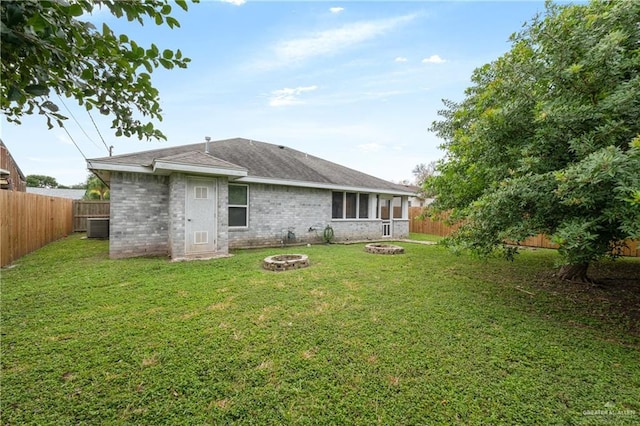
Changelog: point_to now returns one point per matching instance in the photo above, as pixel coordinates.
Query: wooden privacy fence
(86, 209)
(428, 226)
(30, 221)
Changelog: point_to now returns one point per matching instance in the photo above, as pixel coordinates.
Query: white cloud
(370, 147)
(401, 59)
(336, 9)
(234, 2)
(330, 41)
(289, 96)
(433, 59)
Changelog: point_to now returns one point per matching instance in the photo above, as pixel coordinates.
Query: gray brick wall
(223, 215)
(177, 192)
(148, 217)
(276, 210)
(139, 215)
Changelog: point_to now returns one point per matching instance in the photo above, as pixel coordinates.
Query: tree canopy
(41, 181)
(96, 189)
(49, 47)
(547, 138)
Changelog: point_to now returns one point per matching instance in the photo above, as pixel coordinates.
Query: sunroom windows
(349, 205)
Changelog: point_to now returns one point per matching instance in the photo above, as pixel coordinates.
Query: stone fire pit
(285, 262)
(377, 248)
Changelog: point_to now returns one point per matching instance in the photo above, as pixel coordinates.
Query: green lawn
(424, 237)
(420, 338)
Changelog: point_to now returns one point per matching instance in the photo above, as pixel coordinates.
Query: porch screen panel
(336, 205)
(350, 204)
(363, 208)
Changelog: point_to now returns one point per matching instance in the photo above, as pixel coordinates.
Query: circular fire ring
(285, 262)
(377, 248)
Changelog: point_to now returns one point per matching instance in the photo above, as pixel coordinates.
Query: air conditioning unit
(98, 228)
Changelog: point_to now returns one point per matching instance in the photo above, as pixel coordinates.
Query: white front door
(200, 228)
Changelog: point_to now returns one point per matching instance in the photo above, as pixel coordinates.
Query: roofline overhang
(319, 185)
(135, 168)
(168, 167)
(165, 168)
(239, 176)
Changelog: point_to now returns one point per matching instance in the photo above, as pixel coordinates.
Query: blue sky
(357, 83)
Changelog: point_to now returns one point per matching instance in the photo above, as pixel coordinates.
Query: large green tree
(42, 181)
(547, 140)
(49, 46)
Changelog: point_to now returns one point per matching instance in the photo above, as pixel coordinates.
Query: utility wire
(74, 142)
(74, 119)
(79, 150)
(99, 134)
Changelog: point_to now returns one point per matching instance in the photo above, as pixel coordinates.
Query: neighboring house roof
(413, 188)
(247, 161)
(74, 194)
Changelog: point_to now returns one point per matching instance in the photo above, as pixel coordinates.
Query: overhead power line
(77, 122)
(74, 142)
(99, 134)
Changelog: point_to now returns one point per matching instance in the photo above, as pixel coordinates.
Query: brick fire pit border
(285, 262)
(377, 248)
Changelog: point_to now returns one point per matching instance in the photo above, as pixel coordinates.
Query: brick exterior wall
(223, 215)
(275, 211)
(148, 217)
(139, 223)
(177, 218)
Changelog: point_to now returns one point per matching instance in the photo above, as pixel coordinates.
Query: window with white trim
(349, 205)
(238, 206)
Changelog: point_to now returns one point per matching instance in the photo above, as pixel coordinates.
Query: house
(11, 177)
(418, 199)
(200, 200)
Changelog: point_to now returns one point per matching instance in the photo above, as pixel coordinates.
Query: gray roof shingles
(260, 159)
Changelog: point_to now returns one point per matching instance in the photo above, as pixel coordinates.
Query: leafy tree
(47, 47)
(422, 172)
(96, 189)
(547, 140)
(41, 181)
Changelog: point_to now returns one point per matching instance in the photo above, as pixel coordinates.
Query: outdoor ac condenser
(98, 228)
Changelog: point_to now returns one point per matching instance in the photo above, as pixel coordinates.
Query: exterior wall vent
(98, 228)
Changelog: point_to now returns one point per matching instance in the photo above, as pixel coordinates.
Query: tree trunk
(574, 272)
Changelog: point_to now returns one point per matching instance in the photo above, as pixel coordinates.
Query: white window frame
(245, 206)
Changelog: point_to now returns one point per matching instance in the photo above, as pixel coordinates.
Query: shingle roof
(261, 160)
(74, 194)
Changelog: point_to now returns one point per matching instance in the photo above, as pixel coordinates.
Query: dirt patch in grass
(614, 297)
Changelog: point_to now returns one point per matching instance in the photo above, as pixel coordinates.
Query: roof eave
(320, 185)
(166, 167)
(113, 167)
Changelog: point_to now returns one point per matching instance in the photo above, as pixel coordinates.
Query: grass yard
(420, 338)
(424, 237)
